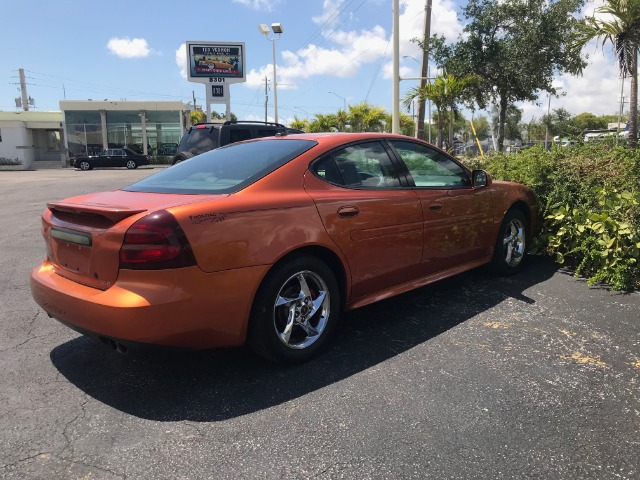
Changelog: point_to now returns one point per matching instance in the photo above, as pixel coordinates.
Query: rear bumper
(183, 307)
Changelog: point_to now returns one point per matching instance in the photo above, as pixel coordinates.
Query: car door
(373, 218)
(104, 159)
(457, 217)
(118, 158)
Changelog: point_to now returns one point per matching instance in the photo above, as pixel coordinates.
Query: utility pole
(23, 91)
(424, 67)
(266, 97)
(395, 91)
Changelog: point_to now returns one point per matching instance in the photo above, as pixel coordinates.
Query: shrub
(10, 161)
(590, 204)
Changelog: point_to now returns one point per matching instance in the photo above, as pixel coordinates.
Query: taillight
(156, 242)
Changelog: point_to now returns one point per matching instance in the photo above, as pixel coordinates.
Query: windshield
(200, 139)
(224, 170)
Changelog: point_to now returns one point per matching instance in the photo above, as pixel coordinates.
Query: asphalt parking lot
(533, 376)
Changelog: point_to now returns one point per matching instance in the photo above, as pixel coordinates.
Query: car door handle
(348, 211)
(435, 206)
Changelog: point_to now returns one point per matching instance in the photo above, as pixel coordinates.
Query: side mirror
(480, 179)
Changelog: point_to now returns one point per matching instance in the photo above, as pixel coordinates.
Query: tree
(197, 116)
(222, 116)
(558, 122)
(618, 23)
(512, 128)
(323, 123)
(445, 93)
(407, 124)
(366, 118)
(585, 121)
(300, 124)
(515, 47)
(481, 125)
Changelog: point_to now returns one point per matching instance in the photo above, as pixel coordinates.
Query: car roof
(338, 138)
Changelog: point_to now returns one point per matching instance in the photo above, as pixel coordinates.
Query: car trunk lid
(84, 234)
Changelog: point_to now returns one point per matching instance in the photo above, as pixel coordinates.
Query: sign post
(217, 65)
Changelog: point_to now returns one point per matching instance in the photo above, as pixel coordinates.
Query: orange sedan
(268, 241)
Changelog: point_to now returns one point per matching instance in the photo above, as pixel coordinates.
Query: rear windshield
(224, 170)
(200, 139)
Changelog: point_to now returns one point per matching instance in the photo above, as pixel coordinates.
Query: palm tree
(619, 24)
(323, 123)
(300, 124)
(445, 92)
(366, 118)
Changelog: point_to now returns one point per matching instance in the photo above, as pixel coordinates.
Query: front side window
(364, 165)
(429, 167)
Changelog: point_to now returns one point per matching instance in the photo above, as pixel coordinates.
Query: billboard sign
(216, 62)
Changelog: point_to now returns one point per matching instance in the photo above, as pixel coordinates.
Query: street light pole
(344, 101)
(277, 30)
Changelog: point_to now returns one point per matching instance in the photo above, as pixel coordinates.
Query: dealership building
(39, 139)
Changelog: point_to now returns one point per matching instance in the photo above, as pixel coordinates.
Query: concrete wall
(17, 142)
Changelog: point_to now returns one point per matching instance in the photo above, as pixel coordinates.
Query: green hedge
(590, 201)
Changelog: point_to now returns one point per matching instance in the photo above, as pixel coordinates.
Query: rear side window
(224, 170)
(267, 132)
(200, 139)
(239, 134)
(365, 165)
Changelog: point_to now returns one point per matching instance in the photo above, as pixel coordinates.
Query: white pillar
(105, 137)
(143, 125)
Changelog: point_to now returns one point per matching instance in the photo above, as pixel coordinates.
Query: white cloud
(329, 15)
(597, 91)
(181, 60)
(129, 48)
(348, 50)
(263, 5)
(353, 49)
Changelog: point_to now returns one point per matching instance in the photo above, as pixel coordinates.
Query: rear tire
(511, 245)
(295, 311)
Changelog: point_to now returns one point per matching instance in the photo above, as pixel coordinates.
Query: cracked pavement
(533, 376)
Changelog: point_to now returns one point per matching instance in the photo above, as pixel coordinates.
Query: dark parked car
(203, 137)
(112, 157)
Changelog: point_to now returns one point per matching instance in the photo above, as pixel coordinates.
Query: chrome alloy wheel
(301, 310)
(513, 242)
(131, 164)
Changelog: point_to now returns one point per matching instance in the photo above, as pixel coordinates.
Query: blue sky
(133, 50)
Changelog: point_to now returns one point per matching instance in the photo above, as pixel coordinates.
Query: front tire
(511, 245)
(295, 311)
(131, 164)
(84, 165)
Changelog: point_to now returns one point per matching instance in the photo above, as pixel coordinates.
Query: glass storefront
(124, 129)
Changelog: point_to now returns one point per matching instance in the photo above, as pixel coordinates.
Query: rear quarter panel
(508, 194)
(258, 225)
